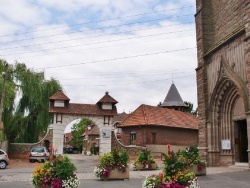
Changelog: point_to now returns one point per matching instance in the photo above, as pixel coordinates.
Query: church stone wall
(222, 28)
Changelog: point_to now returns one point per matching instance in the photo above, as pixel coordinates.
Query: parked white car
(38, 153)
(4, 159)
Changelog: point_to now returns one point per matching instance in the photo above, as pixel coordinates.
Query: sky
(134, 49)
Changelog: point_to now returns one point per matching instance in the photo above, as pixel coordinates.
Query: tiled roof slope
(82, 109)
(107, 99)
(173, 98)
(94, 130)
(120, 117)
(59, 95)
(67, 135)
(156, 116)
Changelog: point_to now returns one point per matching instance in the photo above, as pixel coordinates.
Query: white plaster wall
(58, 132)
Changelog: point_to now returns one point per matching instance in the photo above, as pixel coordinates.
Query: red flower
(169, 148)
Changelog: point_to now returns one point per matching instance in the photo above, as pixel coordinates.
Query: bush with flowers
(146, 160)
(112, 160)
(58, 172)
(174, 174)
(192, 157)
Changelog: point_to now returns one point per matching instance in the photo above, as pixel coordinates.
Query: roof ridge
(144, 114)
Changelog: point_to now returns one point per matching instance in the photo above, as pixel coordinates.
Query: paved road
(230, 177)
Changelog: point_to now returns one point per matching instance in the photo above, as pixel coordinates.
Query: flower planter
(198, 170)
(42, 186)
(116, 174)
(140, 166)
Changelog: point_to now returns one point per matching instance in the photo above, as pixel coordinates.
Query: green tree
(190, 108)
(77, 131)
(25, 111)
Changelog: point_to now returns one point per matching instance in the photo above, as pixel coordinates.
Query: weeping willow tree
(25, 114)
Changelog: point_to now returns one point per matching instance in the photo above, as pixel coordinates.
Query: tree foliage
(77, 131)
(190, 108)
(25, 111)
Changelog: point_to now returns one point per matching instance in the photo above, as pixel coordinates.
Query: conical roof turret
(173, 99)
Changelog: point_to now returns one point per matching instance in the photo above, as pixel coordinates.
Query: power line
(108, 27)
(111, 19)
(123, 74)
(86, 49)
(98, 42)
(121, 58)
(129, 83)
(16, 47)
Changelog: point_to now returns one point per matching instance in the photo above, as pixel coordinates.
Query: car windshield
(39, 150)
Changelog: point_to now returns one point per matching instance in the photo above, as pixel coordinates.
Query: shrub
(57, 173)
(108, 161)
(175, 174)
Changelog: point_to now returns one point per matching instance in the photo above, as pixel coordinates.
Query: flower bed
(192, 160)
(113, 165)
(58, 172)
(145, 161)
(175, 173)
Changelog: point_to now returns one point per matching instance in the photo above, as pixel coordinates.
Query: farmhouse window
(106, 120)
(153, 138)
(132, 138)
(58, 118)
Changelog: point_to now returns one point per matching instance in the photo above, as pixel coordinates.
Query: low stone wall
(133, 151)
(22, 150)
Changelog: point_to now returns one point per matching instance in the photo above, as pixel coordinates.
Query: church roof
(173, 98)
(59, 95)
(146, 115)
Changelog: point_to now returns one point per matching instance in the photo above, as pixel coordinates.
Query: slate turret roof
(173, 98)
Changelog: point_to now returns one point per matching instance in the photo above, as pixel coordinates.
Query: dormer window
(107, 106)
(59, 103)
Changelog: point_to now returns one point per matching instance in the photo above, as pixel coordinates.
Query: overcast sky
(134, 49)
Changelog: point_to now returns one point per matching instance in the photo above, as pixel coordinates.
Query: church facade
(223, 80)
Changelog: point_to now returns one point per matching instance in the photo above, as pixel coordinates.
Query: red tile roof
(82, 109)
(94, 130)
(107, 99)
(120, 117)
(59, 95)
(67, 135)
(156, 116)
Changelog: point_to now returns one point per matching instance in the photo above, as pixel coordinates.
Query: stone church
(223, 80)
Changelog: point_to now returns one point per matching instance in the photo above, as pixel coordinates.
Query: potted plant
(113, 165)
(194, 161)
(174, 174)
(145, 161)
(58, 172)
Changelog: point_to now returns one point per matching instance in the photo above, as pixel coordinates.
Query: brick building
(223, 80)
(151, 125)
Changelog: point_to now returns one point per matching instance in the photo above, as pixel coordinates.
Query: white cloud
(135, 77)
(22, 12)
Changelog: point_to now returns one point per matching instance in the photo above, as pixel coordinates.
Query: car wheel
(42, 160)
(31, 160)
(3, 164)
